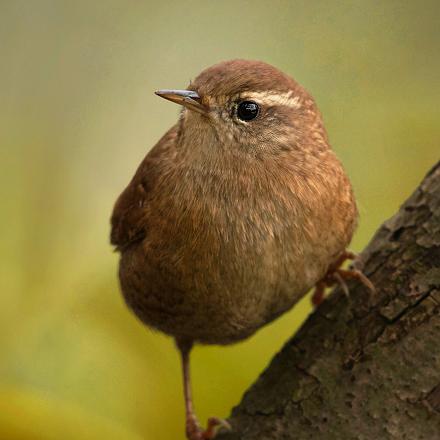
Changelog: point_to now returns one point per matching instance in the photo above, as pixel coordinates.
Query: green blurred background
(77, 115)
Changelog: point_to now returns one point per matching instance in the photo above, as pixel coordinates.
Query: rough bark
(367, 366)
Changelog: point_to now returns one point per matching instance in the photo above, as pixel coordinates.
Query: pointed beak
(188, 98)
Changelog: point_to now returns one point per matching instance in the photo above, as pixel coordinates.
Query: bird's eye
(247, 110)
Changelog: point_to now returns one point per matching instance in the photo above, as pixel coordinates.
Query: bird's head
(248, 106)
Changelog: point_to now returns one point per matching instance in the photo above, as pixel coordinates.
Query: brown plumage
(227, 223)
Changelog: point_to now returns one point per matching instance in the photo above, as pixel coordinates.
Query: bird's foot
(336, 275)
(195, 432)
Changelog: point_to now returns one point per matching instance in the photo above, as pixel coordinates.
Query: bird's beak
(188, 98)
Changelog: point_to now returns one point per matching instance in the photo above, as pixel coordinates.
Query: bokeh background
(77, 115)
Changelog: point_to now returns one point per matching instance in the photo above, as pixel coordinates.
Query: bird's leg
(193, 429)
(336, 275)
(318, 293)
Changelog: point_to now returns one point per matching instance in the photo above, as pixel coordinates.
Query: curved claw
(336, 275)
(358, 275)
(214, 424)
(195, 432)
(342, 283)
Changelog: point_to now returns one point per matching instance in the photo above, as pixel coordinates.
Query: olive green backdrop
(77, 115)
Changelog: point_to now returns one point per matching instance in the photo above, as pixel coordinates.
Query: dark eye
(247, 110)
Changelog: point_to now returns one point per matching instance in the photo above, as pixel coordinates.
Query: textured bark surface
(367, 366)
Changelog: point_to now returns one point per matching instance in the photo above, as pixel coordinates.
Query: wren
(235, 214)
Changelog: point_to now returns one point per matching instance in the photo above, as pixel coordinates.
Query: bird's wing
(128, 220)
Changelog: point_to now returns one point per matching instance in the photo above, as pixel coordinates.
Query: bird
(234, 215)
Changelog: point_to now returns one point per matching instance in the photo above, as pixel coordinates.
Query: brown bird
(234, 215)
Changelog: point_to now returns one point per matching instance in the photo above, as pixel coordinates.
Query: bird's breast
(229, 255)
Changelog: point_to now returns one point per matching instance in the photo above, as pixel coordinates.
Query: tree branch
(367, 366)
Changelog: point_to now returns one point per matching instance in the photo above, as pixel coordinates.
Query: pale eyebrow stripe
(270, 98)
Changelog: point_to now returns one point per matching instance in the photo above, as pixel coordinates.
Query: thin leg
(318, 294)
(193, 429)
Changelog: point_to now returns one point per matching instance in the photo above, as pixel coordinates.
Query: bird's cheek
(230, 132)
